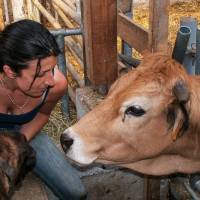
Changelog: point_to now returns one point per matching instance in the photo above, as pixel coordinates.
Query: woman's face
(35, 88)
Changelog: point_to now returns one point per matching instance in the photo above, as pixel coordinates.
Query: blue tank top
(12, 122)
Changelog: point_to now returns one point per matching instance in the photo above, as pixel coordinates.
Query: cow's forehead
(157, 69)
(138, 82)
(151, 79)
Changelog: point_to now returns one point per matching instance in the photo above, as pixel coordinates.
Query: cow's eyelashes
(136, 111)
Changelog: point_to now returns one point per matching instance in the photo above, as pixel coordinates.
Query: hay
(189, 9)
(58, 122)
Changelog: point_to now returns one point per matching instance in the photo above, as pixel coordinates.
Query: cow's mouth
(74, 148)
(76, 163)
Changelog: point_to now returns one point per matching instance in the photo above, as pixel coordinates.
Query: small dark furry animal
(17, 158)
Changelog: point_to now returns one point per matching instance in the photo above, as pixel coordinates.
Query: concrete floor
(32, 189)
(101, 184)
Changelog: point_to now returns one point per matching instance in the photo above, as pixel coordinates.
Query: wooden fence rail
(132, 33)
(68, 11)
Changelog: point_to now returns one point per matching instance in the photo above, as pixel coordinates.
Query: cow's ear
(181, 91)
(182, 95)
(178, 125)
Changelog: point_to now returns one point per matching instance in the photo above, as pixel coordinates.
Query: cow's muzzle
(66, 141)
(75, 148)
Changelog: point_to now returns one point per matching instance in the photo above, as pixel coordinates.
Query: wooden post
(2, 24)
(70, 4)
(158, 41)
(100, 39)
(46, 14)
(18, 9)
(29, 6)
(36, 14)
(67, 10)
(66, 20)
(78, 7)
(7, 19)
(158, 25)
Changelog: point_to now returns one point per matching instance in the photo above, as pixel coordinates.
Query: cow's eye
(136, 111)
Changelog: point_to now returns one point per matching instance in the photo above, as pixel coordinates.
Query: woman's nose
(50, 80)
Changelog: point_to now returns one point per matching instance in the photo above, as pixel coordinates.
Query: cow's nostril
(66, 142)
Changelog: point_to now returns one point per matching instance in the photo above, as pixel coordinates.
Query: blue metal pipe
(66, 32)
(197, 67)
(62, 67)
(192, 24)
(181, 43)
(59, 35)
(189, 59)
(129, 61)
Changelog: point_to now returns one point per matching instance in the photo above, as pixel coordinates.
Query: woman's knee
(55, 171)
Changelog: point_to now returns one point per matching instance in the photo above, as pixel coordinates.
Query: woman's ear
(9, 72)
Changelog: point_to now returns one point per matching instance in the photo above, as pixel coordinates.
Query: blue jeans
(54, 170)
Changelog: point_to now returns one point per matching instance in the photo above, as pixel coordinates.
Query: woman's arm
(55, 94)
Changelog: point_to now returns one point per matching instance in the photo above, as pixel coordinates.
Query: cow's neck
(194, 104)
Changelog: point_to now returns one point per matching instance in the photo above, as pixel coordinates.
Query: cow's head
(142, 124)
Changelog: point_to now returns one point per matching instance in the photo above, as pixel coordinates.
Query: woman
(30, 87)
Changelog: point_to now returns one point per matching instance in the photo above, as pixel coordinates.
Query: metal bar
(129, 61)
(66, 32)
(181, 42)
(189, 59)
(197, 67)
(191, 191)
(59, 35)
(192, 24)
(62, 67)
(194, 181)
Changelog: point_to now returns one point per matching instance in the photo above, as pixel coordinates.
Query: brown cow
(149, 122)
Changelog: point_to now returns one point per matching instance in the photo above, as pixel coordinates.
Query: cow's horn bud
(181, 91)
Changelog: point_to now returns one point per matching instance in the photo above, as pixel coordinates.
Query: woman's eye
(40, 75)
(136, 111)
